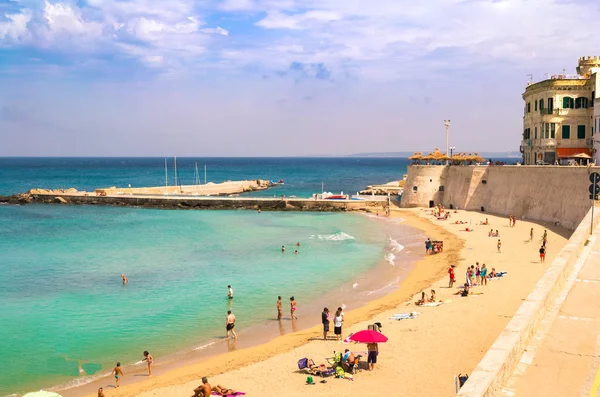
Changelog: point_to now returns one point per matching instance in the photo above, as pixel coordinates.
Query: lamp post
(447, 124)
(452, 149)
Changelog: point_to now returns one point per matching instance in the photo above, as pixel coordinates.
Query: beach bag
(302, 363)
(309, 380)
(339, 372)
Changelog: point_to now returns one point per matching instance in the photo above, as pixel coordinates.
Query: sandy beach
(422, 354)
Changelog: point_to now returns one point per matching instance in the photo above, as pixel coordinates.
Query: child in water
(117, 372)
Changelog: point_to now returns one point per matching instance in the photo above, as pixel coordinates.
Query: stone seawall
(214, 203)
(557, 194)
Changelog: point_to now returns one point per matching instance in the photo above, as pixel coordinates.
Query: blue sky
(276, 77)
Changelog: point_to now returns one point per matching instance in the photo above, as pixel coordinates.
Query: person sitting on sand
(432, 297)
(464, 291)
(497, 234)
(493, 273)
(423, 299)
(204, 390)
(223, 391)
(101, 392)
(349, 360)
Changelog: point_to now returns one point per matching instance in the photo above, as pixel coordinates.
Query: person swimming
(283, 248)
(124, 278)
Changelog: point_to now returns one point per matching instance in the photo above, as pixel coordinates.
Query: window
(568, 102)
(552, 130)
(581, 132)
(550, 105)
(535, 132)
(581, 103)
(547, 132)
(535, 107)
(528, 107)
(566, 132)
(541, 106)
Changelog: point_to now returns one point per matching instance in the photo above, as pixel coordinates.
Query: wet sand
(423, 354)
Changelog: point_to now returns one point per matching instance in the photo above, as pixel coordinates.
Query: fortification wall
(548, 193)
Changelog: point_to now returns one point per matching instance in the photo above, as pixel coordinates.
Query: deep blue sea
(302, 176)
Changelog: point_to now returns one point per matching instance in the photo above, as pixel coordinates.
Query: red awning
(571, 151)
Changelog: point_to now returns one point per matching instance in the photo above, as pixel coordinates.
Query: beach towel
(237, 393)
(404, 316)
(432, 304)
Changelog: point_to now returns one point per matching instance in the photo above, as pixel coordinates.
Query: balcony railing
(550, 142)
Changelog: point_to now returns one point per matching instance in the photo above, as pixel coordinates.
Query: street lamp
(447, 124)
(452, 149)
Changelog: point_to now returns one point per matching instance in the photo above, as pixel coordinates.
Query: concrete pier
(208, 203)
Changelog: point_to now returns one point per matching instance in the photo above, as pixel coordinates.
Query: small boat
(336, 197)
(279, 182)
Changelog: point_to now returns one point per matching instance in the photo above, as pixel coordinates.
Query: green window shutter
(566, 132)
(581, 132)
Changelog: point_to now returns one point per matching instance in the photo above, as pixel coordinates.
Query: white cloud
(15, 29)
(279, 20)
(217, 30)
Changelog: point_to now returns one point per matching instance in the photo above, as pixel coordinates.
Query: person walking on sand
(229, 292)
(148, 357)
(325, 321)
(499, 245)
(531, 234)
(279, 308)
(338, 321)
(117, 372)
(477, 274)
(293, 308)
(373, 350)
(451, 275)
(542, 254)
(468, 276)
(510, 220)
(230, 324)
(514, 220)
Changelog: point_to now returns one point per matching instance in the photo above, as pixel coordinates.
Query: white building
(562, 116)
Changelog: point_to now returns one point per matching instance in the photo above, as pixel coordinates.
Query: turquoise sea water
(63, 302)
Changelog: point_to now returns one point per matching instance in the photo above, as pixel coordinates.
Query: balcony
(545, 143)
(526, 143)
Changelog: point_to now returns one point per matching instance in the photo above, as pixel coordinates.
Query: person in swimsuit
(499, 245)
(101, 392)
(373, 350)
(204, 390)
(223, 391)
(283, 248)
(484, 275)
(293, 308)
(148, 357)
(229, 292)
(542, 254)
(422, 300)
(464, 291)
(230, 323)
(451, 275)
(298, 244)
(117, 372)
(432, 298)
(531, 235)
(279, 308)
(477, 274)
(124, 278)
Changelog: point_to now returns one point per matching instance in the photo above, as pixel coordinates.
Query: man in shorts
(325, 321)
(373, 350)
(229, 324)
(204, 390)
(542, 254)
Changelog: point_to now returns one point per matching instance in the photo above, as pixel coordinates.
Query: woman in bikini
(148, 357)
(223, 390)
(293, 308)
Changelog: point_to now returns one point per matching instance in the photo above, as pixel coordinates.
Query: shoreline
(369, 285)
(232, 360)
(445, 340)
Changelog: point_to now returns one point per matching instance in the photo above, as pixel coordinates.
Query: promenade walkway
(563, 358)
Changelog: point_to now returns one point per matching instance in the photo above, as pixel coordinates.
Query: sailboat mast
(166, 174)
(175, 172)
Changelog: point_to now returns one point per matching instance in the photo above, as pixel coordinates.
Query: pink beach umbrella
(368, 336)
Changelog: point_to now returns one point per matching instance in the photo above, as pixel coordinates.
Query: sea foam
(396, 247)
(340, 236)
